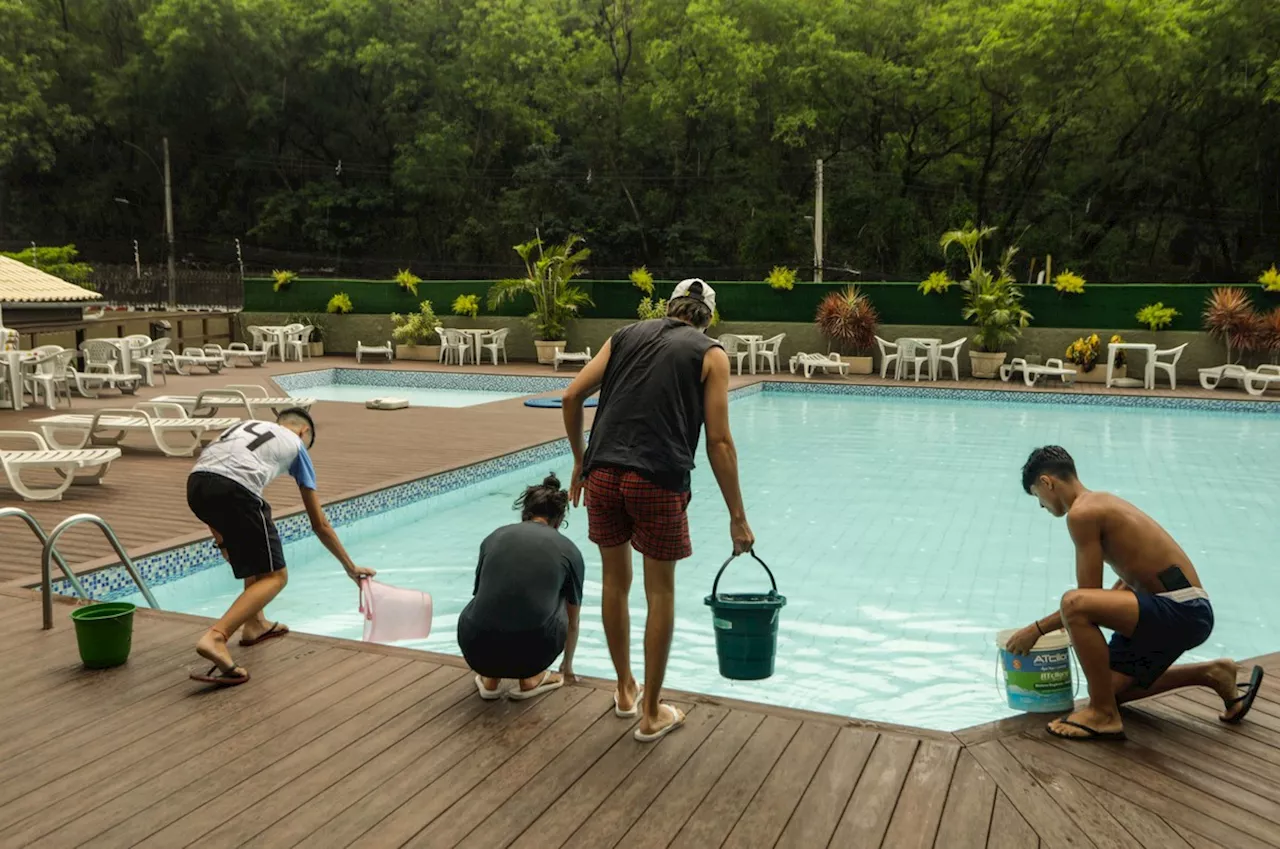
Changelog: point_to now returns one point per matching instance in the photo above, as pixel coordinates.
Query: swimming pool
(419, 388)
(897, 528)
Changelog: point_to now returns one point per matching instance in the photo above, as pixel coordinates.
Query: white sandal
(544, 686)
(655, 736)
(488, 695)
(635, 706)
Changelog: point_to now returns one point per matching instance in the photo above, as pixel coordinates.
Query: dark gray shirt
(527, 573)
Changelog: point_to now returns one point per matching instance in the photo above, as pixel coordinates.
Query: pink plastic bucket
(392, 614)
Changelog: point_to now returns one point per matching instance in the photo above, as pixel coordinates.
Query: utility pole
(817, 225)
(168, 227)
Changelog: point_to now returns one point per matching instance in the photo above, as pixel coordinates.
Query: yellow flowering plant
(1088, 350)
(938, 281)
(1270, 279)
(340, 304)
(468, 305)
(1069, 283)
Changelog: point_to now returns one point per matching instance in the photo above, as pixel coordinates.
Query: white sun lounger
(562, 356)
(1031, 374)
(173, 431)
(241, 351)
(809, 362)
(95, 461)
(213, 362)
(252, 399)
(1258, 381)
(383, 350)
(1211, 377)
(88, 383)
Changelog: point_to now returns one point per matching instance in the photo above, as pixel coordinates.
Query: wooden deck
(337, 744)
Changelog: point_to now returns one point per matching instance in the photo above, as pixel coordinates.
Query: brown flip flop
(276, 630)
(220, 677)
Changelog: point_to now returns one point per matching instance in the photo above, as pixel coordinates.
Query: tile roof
(20, 283)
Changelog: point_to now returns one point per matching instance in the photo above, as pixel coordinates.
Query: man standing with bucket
(1157, 610)
(660, 381)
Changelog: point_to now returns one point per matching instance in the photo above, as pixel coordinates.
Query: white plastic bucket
(1040, 681)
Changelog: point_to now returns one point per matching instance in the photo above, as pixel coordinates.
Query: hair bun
(551, 481)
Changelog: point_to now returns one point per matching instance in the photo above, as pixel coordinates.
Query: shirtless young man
(1158, 609)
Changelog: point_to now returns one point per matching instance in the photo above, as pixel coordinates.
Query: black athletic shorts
(511, 654)
(242, 518)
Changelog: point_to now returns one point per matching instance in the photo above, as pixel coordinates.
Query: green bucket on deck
(104, 633)
(746, 626)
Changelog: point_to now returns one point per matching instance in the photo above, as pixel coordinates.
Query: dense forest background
(1134, 140)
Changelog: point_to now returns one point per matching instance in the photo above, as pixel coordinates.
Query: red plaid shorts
(622, 506)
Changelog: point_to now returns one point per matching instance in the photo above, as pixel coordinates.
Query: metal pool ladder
(50, 552)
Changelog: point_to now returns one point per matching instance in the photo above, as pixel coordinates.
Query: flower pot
(547, 350)
(986, 365)
(858, 365)
(316, 349)
(1098, 374)
(429, 353)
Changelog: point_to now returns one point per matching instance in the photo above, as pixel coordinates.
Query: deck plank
(1037, 807)
(966, 817)
(1147, 828)
(1094, 819)
(866, 817)
(820, 808)
(770, 809)
(1008, 829)
(924, 795)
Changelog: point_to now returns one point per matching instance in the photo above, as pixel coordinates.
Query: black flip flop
(1250, 693)
(1089, 735)
(220, 677)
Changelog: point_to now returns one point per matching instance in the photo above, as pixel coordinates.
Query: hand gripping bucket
(392, 614)
(1040, 681)
(746, 626)
(104, 633)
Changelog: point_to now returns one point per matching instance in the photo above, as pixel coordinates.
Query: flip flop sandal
(1089, 736)
(655, 736)
(488, 695)
(544, 686)
(220, 677)
(635, 706)
(1250, 693)
(276, 630)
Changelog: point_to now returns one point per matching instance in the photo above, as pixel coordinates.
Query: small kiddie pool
(419, 388)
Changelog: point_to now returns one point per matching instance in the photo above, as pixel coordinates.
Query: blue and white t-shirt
(253, 454)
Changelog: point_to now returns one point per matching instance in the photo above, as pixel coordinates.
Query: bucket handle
(716, 584)
(1002, 674)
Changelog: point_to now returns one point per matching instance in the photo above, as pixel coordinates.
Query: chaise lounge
(1031, 374)
(173, 431)
(94, 461)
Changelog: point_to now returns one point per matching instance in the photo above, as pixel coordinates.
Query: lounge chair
(241, 351)
(173, 431)
(1031, 374)
(809, 362)
(95, 461)
(1211, 377)
(252, 399)
(88, 383)
(562, 356)
(383, 350)
(1258, 381)
(212, 361)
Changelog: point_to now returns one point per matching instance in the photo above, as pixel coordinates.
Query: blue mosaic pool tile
(113, 582)
(476, 381)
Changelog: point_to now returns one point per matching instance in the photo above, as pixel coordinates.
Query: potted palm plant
(849, 323)
(319, 329)
(546, 281)
(414, 331)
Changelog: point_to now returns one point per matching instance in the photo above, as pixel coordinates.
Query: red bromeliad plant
(849, 321)
(1269, 333)
(1229, 316)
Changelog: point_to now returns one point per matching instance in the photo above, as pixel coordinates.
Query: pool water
(416, 396)
(897, 529)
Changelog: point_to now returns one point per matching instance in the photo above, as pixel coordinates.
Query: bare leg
(247, 606)
(1218, 675)
(660, 591)
(257, 625)
(1083, 611)
(616, 614)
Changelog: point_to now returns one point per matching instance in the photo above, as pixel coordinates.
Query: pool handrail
(50, 551)
(38, 530)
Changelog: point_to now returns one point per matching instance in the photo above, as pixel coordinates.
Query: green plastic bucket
(104, 633)
(746, 627)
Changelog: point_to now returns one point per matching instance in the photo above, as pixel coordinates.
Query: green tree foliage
(59, 261)
(1141, 139)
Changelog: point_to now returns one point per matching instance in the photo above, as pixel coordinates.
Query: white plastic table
(753, 341)
(933, 346)
(1131, 382)
(280, 334)
(477, 335)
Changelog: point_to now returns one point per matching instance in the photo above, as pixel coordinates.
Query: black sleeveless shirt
(651, 412)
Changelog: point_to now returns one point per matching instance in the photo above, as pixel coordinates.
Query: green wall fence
(1101, 306)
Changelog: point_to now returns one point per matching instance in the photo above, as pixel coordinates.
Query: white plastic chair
(47, 374)
(736, 347)
(561, 356)
(150, 360)
(910, 359)
(100, 356)
(497, 342)
(363, 350)
(454, 343)
(888, 356)
(262, 341)
(300, 342)
(768, 350)
(949, 354)
(1170, 368)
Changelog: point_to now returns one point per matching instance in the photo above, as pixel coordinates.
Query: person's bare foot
(1224, 684)
(256, 631)
(213, 648)
(546, 678)
(627, 695)
(1101, 723)
(651, 729)
(491, 683)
